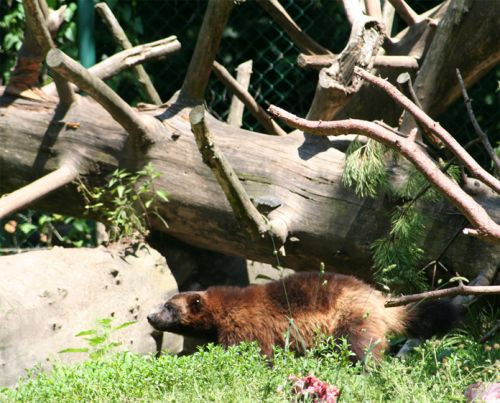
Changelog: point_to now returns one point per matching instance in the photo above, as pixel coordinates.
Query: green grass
(438, 371)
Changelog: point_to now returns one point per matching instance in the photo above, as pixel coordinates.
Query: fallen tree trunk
(302, 177)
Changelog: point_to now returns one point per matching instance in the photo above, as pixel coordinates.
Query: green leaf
(94, 341)
(86, 333)
(74, 350)
(120, 190)
(27, 227)
(162, 195)
(126, 324)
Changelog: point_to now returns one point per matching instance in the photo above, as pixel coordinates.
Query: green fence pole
(86, 44)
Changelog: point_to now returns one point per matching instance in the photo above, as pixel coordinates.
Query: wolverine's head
(186, 314)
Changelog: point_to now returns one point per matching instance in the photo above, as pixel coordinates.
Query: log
(328, 222)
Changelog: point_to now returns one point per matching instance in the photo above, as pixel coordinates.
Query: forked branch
(128, 58)
(120, 36)
(99, 91)
(486, 228)
(429, 124)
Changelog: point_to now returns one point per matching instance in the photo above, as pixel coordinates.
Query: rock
(46, 297)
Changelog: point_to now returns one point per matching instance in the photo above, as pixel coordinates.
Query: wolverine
(301, 306)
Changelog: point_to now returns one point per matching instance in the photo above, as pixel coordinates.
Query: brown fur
(331, 304)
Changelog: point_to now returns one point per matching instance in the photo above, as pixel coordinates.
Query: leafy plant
(34, 229)
(124, 202)
(98, 339)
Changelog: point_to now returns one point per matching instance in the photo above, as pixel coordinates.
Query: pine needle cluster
(365, 167)
(397, 256)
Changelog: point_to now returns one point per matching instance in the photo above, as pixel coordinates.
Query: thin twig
(119, 34)
(303, 41)
(255, 109)
(480, 133)
(429, 124)
(98, 90)
(37, 189)
(490, 333)
(475, 213)
(445, 293)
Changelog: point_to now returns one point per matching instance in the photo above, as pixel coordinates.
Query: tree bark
(327, 222)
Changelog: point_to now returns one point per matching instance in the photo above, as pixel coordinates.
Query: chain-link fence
(251, 34)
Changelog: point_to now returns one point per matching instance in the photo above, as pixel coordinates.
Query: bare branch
(55, 19)
(37, 189)
(429, 124)
(480, 133)
(255, 109)
(97, 89)
(119, 34)
(405, 12)
(403, 62)
(246, 213)
(388, 17)
(373, 9)
(318, 62)
(199, 69)
(446, 293)
(128, 58)
(244, 72)
(44, 40)
(487, 229)
(303, 41)
(353, 10)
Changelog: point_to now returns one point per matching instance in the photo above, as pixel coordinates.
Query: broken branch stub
(338, 81)
(246, 213)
